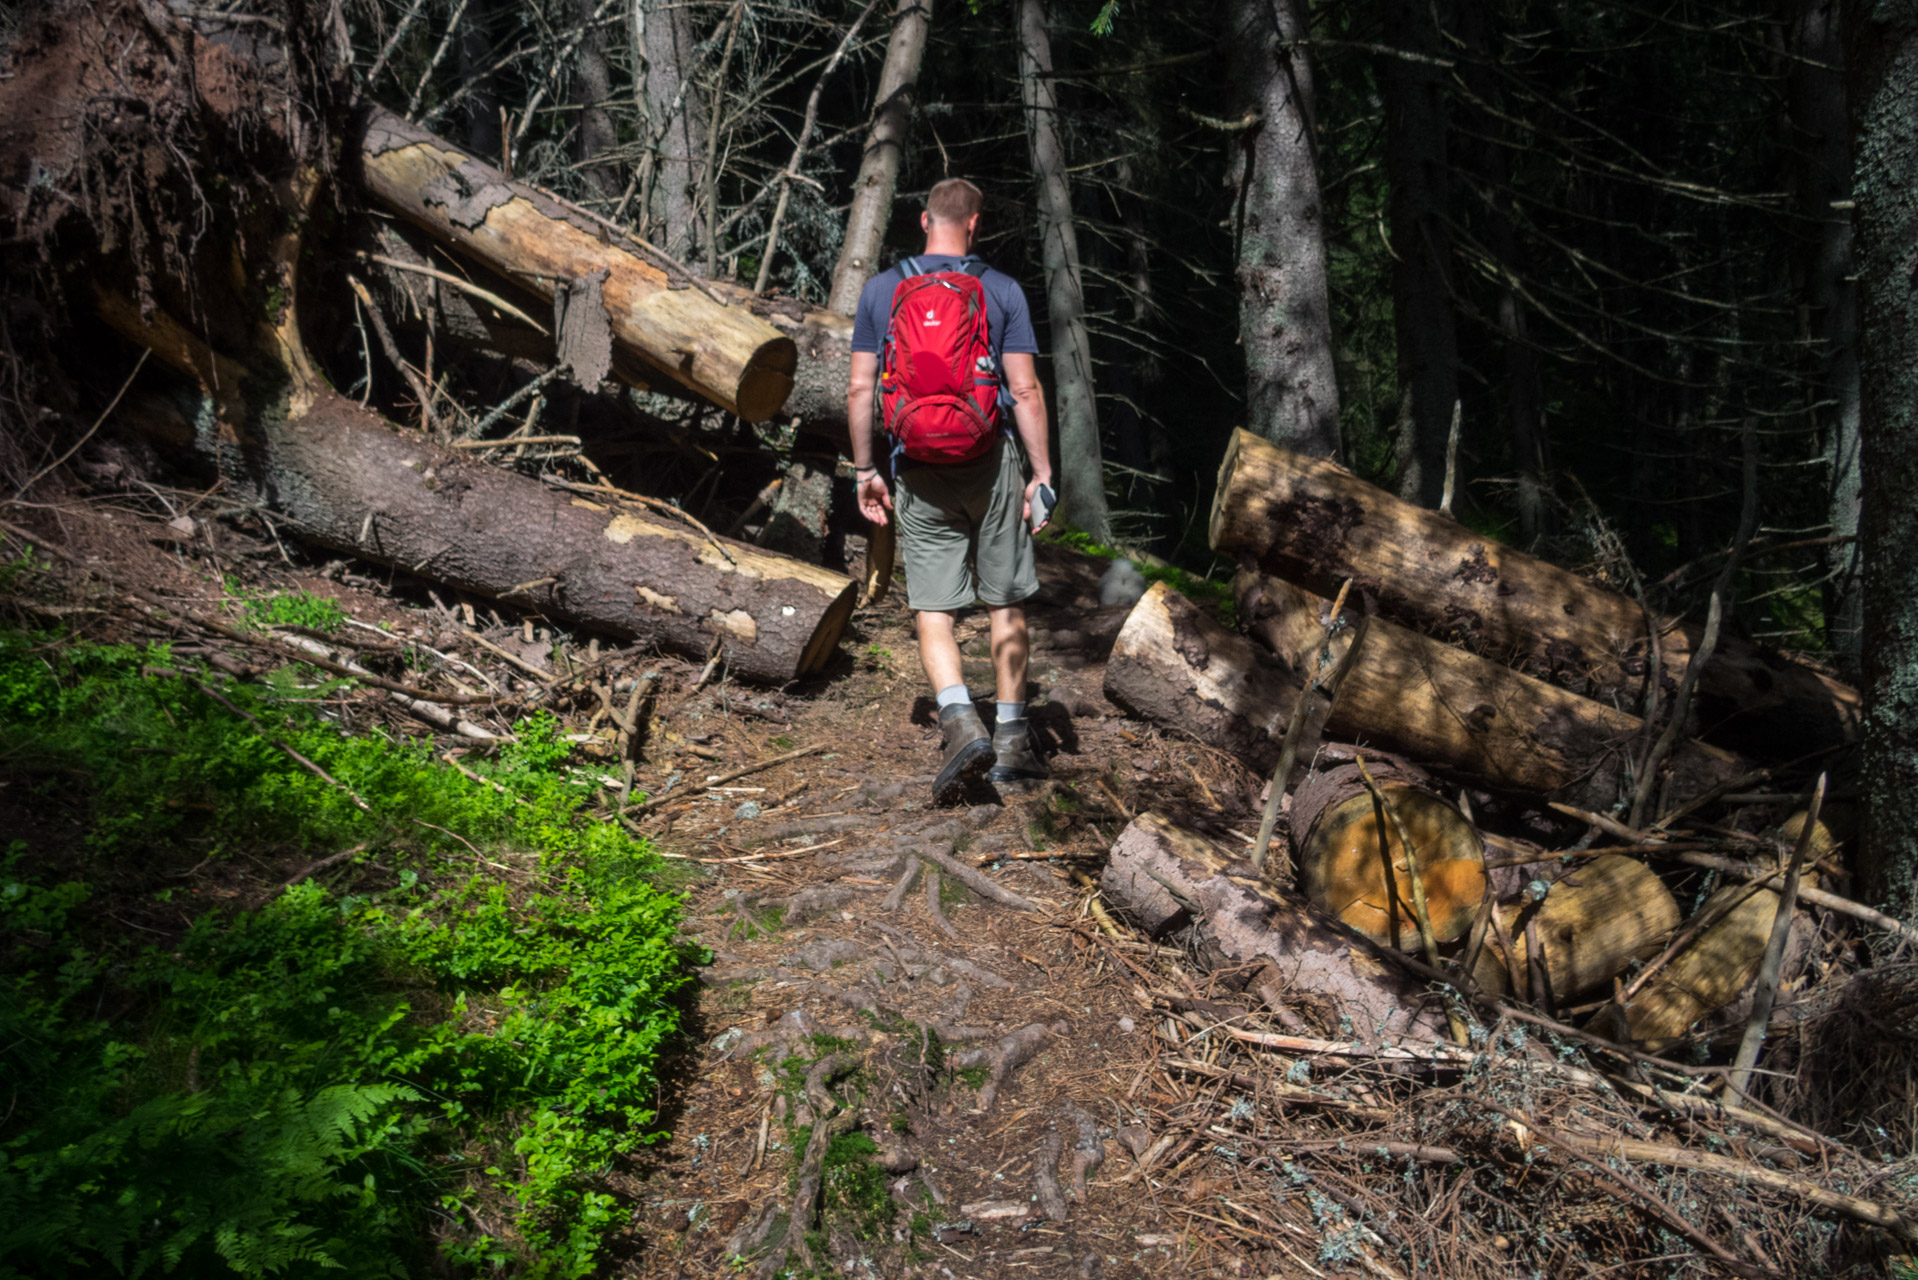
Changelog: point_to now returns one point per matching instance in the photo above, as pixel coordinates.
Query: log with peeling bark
(1468, 718)
(1173, 665)
(1311, 522)
(347, 480)
(1336, 830)
(1593, 923)
(1168, 879)
(724, 353)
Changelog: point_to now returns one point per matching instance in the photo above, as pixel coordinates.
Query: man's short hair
(954, 200)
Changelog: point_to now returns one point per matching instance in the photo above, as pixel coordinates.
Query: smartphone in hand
(1043, 501)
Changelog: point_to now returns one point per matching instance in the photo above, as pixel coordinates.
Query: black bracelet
(857, 470)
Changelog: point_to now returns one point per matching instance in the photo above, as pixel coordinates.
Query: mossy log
(1593, 923)
(724, 353)
(1168, 879)
(1175, 666)
(1336, 831)
(1470, 719)
(1311, 522)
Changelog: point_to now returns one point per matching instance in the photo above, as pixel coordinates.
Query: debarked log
(1173, 665)
(347, 480)
(724, 353)
(1166, 879)
(1313, 523)
(1466, 717)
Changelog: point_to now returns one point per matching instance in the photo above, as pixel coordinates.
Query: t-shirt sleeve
(869, 322)
(1019, 337)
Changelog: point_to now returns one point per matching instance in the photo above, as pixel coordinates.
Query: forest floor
(977, 1079)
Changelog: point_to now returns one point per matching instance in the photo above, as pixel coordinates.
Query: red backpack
(938, 386)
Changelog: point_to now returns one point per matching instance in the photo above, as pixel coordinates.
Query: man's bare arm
(874, 497)
(1029, 414)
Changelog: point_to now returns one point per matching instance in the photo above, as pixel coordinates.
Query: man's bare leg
(967, 750)
(1014, 758)
(1010, 651)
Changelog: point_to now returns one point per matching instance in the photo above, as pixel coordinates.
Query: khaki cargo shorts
(962, 532)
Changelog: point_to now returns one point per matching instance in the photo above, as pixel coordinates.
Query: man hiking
(948, 344)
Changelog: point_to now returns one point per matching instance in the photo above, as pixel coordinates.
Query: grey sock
(1010, 712)
(953, 695)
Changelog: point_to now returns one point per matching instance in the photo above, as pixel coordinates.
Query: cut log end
(767, 379)
(1343, 870)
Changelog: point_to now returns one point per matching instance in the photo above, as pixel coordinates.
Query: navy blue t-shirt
(1008, 319)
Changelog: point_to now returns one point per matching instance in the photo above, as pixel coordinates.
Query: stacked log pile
(1463, 675)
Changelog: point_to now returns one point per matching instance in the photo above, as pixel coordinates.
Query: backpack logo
(932, 317)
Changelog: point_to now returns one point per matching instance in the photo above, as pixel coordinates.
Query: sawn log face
(1329, 974)
(1310, 522)
(724, 353)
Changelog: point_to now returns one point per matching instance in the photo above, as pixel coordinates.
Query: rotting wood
(1473, 720)
(1311, 522)
(725, 354)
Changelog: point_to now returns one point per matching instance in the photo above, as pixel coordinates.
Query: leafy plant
(310, 1084)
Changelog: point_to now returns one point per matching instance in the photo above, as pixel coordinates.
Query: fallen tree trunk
(1336, 832)
(1313, 523)
(724, 353)
(1168, 879)
(347, 480)
(1173, 665)
(1466, 717)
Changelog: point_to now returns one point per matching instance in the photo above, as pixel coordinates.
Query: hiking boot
(968, 751)
(1014, 759)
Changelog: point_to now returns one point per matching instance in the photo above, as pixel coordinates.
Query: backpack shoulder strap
(909, 267)
(974, 267)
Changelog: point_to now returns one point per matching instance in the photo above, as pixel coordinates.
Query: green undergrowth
(1208, 593)
(443, 1054)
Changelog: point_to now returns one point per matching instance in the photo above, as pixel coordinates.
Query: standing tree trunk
(671, 183)
(1415, 166)
(1824, 179)
(592, 92)
(872, 190)
(1081, 473)
(1285, 318)
(1881, 59)
(480, 115)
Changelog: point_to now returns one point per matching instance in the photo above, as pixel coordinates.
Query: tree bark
(723, 353)
(1817, 88)
(592, 91)
(1169, 879)
(670, 189)
(1881, 60)
(1174, 666)
(1081, 471)
(1468, 718)
(1315, 524)
(1335, 829)
(1416, 168)
(348, 481)
(872, 190)
(1285, 318)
